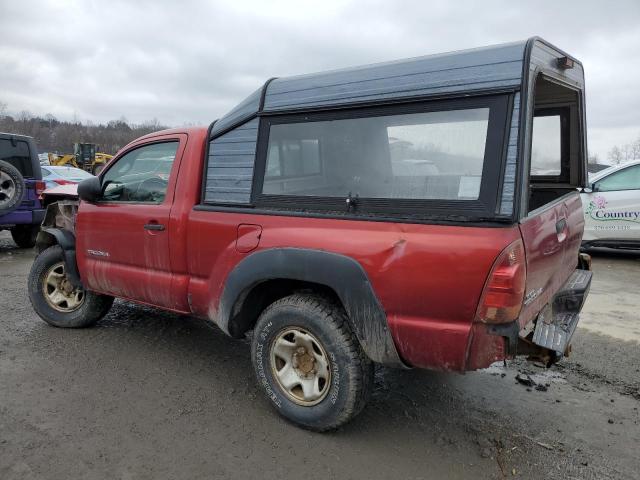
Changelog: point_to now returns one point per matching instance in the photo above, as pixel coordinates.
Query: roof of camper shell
(466, 71)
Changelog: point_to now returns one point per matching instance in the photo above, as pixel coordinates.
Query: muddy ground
(151, 395)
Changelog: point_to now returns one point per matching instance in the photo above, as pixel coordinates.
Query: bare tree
(50, 119)
(635, 149)
(616, 155)
(625, 153)
(24, 116)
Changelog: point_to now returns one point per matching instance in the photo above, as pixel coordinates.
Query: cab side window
(141, 175)
(627, 179)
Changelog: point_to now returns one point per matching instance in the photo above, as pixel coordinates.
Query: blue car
(54, 176)
(21, 184)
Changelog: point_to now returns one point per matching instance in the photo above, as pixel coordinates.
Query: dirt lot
(150, 395)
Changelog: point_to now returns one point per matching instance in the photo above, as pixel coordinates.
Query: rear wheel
(56, 300)
(25, 235)
(11, 188)
(309, 363)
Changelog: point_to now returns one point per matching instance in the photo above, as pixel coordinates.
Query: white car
(612, 207)
(62, 175)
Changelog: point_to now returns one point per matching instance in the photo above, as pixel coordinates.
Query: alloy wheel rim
(58, 291)
(301, 366)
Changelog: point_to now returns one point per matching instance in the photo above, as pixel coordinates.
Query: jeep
(20, 188)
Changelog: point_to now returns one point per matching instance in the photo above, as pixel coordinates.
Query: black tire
(25, 235)
(351, 380)
(92, 308)
(12, 188)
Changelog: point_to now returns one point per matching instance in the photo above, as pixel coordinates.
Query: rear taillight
(503, 292)
(40, 187)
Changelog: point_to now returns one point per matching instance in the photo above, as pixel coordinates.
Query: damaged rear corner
(547, 338)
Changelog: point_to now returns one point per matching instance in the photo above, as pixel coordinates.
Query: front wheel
(25, 235)
(56, 300)
(309, 362)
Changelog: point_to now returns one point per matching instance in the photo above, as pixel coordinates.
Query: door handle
(154, 226)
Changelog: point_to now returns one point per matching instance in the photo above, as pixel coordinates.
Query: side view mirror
(90, 189)
(594, 187)
(590, 189)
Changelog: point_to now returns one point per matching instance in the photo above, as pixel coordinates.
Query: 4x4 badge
(532, 295)
(98, 253)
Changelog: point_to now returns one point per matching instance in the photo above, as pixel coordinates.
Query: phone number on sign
(612, 227)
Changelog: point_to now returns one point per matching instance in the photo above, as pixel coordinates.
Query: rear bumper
(556, 323)
(22, 217)
(547, 338)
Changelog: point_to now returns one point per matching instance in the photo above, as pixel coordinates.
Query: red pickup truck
(421, 213)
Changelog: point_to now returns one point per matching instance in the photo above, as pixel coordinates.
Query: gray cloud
(191, 61)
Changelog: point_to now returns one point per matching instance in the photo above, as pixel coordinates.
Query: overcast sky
(191, 61)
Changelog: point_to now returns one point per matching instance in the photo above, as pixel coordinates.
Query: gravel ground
(147, 394)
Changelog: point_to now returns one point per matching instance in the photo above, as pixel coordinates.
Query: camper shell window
(443, 155)
(557, 157)
(550, 144)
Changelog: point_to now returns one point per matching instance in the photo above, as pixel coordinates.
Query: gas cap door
(248, 237)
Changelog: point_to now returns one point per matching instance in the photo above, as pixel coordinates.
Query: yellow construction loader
(84, 156)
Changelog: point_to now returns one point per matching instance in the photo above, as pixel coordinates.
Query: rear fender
(342, 274)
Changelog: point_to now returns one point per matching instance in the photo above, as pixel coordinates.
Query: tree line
(56, 136)
(625, 153)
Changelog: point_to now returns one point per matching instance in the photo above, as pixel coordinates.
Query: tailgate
(551, 237)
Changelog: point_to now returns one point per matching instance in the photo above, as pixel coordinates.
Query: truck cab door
(123, 244)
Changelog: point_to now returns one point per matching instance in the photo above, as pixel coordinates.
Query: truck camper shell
(527, 76)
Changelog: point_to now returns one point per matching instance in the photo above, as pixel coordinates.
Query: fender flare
(67, 242)
(342, 274)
